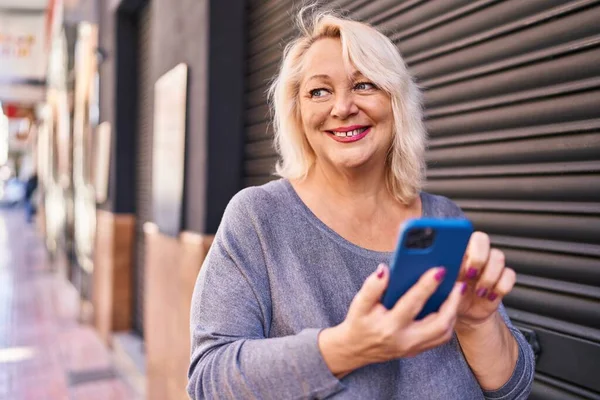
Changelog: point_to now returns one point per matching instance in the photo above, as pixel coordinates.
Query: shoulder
(254, 207)
(255, 201)
(440, 206)
(245, 234)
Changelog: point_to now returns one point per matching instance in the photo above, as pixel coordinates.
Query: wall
(182, 32)
(115, 235)
(167, 306)
(106, 40)
(112, 294)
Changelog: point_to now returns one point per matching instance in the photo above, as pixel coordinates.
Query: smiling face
(347, 120)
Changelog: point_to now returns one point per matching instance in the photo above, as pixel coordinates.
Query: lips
(349, 134)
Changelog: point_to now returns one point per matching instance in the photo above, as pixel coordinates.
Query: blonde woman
(287, 304)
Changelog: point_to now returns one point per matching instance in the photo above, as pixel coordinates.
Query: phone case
(447, 250)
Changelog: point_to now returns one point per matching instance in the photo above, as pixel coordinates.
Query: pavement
(45, 352)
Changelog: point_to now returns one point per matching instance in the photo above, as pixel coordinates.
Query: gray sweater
(274, 277)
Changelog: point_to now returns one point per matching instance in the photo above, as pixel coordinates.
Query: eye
(364, 86)
(320, 92)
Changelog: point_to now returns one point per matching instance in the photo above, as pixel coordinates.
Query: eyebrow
(325, 76)
(319, 76)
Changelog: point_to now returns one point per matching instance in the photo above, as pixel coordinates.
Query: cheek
(378, 108)
(384, 114)
(314, 116)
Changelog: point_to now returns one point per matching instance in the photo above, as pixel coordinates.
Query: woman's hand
(371, 333)
(487, 344)
(488, 278)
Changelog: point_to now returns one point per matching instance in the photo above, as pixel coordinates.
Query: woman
(287, 304)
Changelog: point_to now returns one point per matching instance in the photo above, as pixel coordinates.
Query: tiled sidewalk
(44, 352)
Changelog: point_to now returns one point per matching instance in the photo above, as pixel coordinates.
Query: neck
(356, 205)
(364, 191)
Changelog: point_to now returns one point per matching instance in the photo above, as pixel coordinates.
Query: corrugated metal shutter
(143, 160)
(512, 92)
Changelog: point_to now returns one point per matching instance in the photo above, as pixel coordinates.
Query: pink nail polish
(381, 272)
(493, 296)
(481, 292)
(471, 273)
(439, 276)
(463, 289)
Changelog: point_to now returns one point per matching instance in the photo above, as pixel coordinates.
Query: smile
(350, 135)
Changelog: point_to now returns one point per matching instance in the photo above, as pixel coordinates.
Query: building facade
(512, 107)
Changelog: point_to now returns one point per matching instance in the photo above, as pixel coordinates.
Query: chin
(351, 162)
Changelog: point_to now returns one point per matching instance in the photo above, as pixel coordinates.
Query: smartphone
(423, 244)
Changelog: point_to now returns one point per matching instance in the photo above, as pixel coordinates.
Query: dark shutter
(143, 160)
(512, 95)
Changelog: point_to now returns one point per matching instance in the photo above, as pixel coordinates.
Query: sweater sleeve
(519, 384)
(231, 353)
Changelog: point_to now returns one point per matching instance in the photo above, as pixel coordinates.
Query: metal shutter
(512, 93)
(143, 160)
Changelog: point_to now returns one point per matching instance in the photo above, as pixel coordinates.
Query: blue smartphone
(423, 244)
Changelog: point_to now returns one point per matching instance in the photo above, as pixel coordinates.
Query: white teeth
(350, 133)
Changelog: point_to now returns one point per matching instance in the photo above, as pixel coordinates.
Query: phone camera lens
(420, 238)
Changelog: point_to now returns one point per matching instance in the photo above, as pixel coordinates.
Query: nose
(344, 106)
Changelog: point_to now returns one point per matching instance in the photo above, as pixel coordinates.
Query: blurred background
(127, 125)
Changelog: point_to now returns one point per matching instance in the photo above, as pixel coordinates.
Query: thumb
(370, 293)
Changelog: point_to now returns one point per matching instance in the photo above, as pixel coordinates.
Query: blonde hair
(378, 59)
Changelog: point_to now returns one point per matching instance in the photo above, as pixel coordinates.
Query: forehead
(325, 57)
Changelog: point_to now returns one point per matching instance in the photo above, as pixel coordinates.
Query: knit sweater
(274, 277)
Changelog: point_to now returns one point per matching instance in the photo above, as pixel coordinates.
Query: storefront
(23, 60)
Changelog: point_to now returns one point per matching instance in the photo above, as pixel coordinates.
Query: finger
(412, 302)
(438, 341)
(491, 273)
(450, 306)
(477, 254)
(445, 314)
(462, 273)
(371, 291)
(437, 327)
(504, 285)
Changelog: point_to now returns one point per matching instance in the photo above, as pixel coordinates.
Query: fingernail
(493, 296)
(481, 292)
(463, 289)
(380, 271)
(471, 273)
(440, 274)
